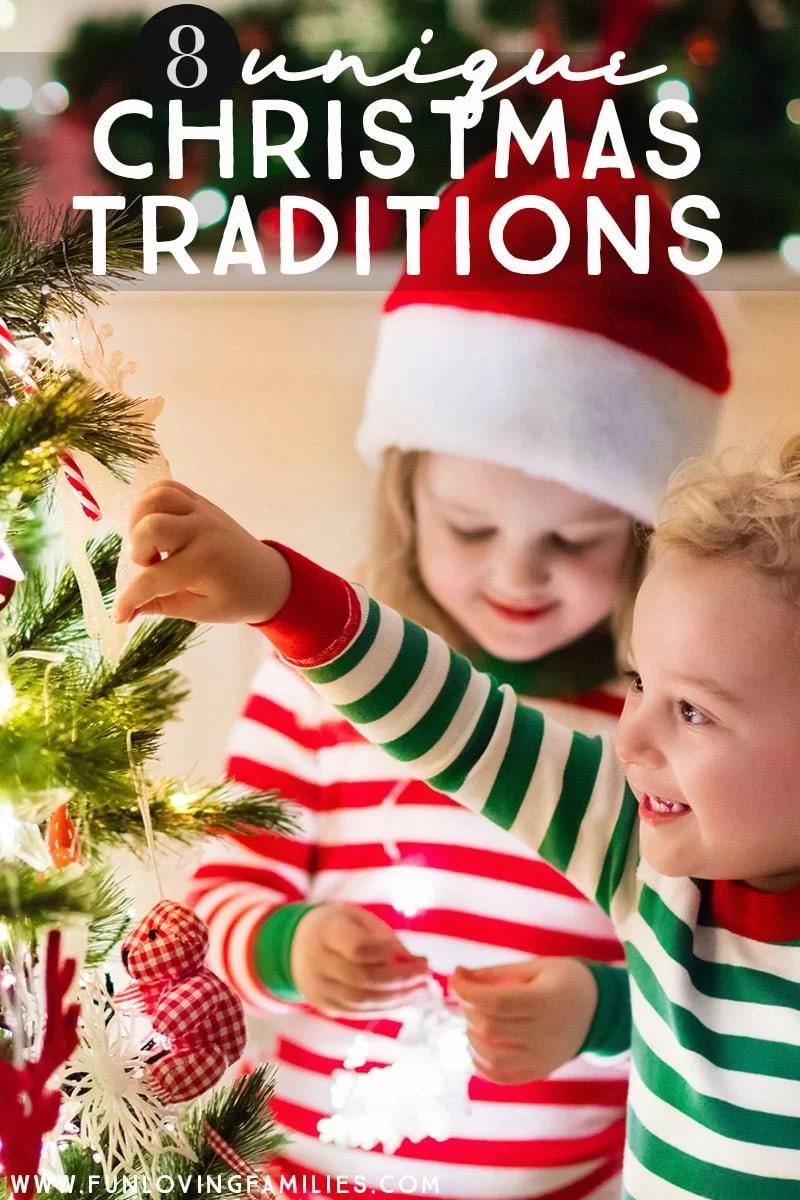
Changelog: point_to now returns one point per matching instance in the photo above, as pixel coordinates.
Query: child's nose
(634, 741)
(518, 570)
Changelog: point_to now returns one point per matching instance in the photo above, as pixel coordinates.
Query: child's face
(709, 734)
(523, 565)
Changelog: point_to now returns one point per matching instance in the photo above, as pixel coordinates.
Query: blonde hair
(713, 509)
(390, 570)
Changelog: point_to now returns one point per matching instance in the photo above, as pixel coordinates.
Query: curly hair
(390, 570)
(714, 508)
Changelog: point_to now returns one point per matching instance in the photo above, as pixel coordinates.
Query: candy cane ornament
(17, 359)
(77, 481)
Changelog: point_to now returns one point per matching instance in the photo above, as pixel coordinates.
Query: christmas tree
(108, 1091)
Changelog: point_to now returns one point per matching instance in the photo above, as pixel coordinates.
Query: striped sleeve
(242, 881)
(560, 792)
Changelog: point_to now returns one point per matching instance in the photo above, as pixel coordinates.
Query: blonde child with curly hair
(689, 837)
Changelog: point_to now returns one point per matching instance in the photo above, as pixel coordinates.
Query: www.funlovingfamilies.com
(299, 1186)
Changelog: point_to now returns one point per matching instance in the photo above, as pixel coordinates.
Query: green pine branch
(111, 916)
(67, 412)
(144, 667)
(241, 1115)
(185, 816)
(50, 617)
(55, 251)
(32, 900)
(15, 179)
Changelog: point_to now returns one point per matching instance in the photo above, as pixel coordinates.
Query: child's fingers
(384, 977)
(499, 1065)
(162, 580)
(166, 496)
(498, 1032)
(360, 937)
(185, 605)
(503, 999)
(347, 998)
(156, 534)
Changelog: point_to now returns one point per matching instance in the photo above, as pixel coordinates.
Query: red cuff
(320, 618)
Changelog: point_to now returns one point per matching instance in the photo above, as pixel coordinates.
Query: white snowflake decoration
(414, 1097)
(108, 1101)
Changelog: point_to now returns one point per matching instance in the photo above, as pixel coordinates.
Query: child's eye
(565, 546)
(471, 535)
(634, 681)
(692, 715)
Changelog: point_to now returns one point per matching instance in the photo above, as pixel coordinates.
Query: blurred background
(62, 62)
(264, 385)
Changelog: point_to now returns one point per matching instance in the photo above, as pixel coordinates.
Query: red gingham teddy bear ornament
(198, 1016)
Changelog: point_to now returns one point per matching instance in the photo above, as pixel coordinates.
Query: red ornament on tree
(28, 1110)
(7, 589)
(198, 1017)
(62, 838)
(10, 574)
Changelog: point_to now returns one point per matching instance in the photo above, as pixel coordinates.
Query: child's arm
(561, 792)
(267, 940)
(251, 890)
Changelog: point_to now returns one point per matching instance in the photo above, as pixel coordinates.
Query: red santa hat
(604, 383)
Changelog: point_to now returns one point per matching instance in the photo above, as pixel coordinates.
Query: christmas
(606, 148)
(306, 220)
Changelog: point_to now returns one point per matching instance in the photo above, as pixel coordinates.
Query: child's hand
(526, 1019)
(198, 563)
(347, 960)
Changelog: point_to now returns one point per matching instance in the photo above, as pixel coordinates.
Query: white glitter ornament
(108, 1106)
(115, 498)
(412, 1098)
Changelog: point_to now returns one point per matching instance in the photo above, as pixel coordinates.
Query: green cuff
(272, 951)
(610, 1030)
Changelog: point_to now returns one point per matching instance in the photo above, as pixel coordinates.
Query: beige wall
(263, 394)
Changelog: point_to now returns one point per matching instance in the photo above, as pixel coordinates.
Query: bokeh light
(674, 89)
(789, 250)
(8, 14)
(15, 93)
(211, 205)
(51, 98)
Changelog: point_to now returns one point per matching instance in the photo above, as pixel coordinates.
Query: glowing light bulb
(7, 697)
(182, 801)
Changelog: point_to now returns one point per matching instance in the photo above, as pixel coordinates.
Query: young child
(696, 855)
(501, 533)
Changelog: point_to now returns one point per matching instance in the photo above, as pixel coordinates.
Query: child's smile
(523, 565)
(657, 809)
(708, 734)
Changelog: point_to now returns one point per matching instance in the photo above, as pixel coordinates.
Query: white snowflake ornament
(107, 1098)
